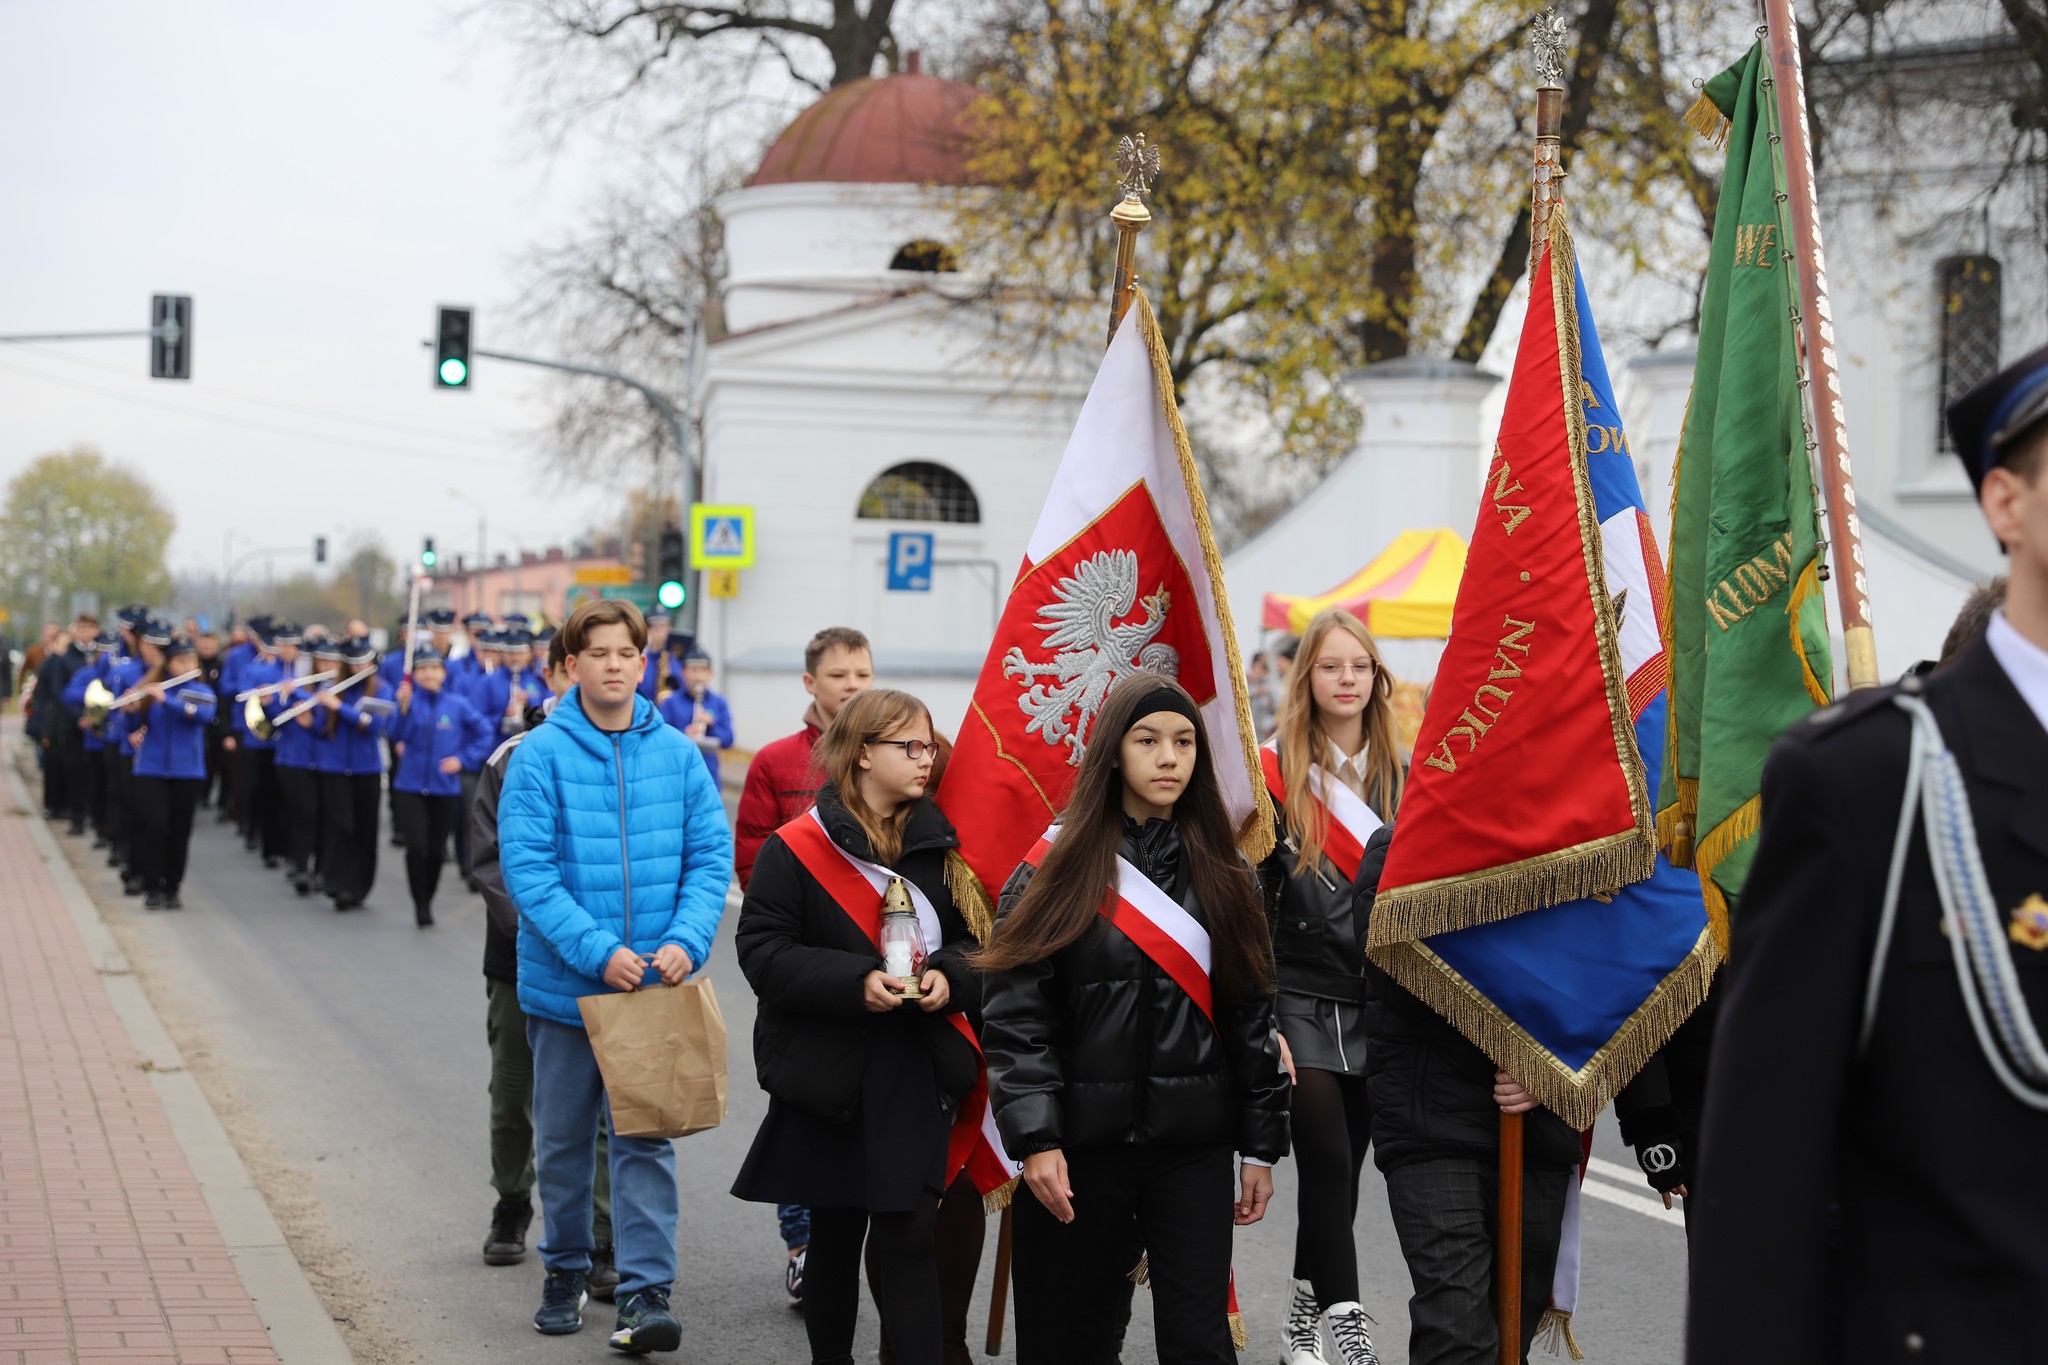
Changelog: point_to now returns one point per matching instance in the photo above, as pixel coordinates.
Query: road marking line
(1627, 1199)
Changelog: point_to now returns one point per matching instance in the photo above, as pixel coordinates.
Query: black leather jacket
(808, 961)
(1096, 1045)
(1318, 944)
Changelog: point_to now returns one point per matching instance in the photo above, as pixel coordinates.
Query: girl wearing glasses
(1130, 1044)
(1335, 775)
(862, 1080)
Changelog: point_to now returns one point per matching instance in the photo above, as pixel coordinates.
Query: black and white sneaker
(645, 1324)
(793, 1278)
(561, 1304)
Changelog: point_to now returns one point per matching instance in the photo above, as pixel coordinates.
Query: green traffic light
(670, 594)
(453, 372)
(428, 558)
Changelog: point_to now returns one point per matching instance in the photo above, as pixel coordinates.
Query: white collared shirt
(1348, 768)
(2025, 662)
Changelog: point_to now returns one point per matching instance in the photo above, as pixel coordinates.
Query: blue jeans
(568, 1100)
(796, 1225)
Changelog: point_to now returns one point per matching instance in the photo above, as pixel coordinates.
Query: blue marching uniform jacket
(608, 840)
(174, 733)
(101, 668)
(357, 746)
(440, 725)
(678, 710)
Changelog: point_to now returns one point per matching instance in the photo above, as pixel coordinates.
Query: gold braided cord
(1256, 837)
(1576, 1096)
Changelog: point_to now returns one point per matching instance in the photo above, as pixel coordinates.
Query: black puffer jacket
(1431, 1090)
(1097, 1046)
(807, 961)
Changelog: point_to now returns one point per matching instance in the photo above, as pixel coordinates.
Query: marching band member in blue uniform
(663, 673)
(170, 770)
(105, 650)
(437, 735)
(292, 761)
(262, 802)
(148, 636)
(352, 778)
(465, 666)
(699, 712)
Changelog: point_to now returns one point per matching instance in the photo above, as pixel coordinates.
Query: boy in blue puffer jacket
(613, 844)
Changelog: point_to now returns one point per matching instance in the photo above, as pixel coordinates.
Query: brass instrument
(309, 703)
(100, 701)
(261, 725)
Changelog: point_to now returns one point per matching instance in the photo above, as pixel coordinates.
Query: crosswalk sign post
(721, 537)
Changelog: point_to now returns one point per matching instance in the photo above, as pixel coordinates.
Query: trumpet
(309, 703)
(100, 701)
(268, 688)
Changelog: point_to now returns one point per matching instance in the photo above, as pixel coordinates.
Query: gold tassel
(1719, 842)
(1141, 1273)
(1255, 841)
(1808, 586)
(970, 898)
(1238, 1336)
(998, 1199)
(1554, 1332)
(1706, 119)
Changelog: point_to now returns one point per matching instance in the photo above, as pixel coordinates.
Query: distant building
(536, 584)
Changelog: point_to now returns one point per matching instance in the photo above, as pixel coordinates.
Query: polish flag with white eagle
(1120, 576)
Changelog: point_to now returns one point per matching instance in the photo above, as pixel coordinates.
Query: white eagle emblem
(1092, 650)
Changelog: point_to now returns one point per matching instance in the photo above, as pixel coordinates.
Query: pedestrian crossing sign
(721, 537)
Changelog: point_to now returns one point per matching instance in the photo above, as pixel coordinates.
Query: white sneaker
(1301, 1339)
(1348, 1329)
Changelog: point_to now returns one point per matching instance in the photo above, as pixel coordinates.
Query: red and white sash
(856, 886)
(1175, 940)
(1347, 821)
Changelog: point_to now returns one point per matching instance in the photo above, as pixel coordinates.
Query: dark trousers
(1444, 1213)
(963, 1227)
(348, 825)
(218, 770)
(301, 788)
(462, 822)
(1331, 1125)
(1073, 1279)
(120, 765)
(263, 809)
(96, 777)
(77, 791)
(52, 756)
(163, 829)
(425, 822)
(231, 781)
(904, 1255)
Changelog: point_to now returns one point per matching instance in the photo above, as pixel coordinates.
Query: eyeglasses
(1331, 669)
(913, 749)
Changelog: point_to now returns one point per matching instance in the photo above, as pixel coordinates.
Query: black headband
(1164, 699)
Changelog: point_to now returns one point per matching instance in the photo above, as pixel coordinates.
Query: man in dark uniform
(1875, 1191)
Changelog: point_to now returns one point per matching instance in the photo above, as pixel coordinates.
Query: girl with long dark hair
(862, 1081)
(1130, 1042)
(170, 771)
(1335, 776)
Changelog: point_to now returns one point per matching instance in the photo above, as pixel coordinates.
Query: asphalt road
(346, 1054)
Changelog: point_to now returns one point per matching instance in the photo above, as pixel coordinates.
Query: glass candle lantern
(902, 940)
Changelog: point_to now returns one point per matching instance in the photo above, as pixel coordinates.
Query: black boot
(506, 1244)
(423, 916)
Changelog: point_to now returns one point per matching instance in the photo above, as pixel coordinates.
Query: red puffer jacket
(782, 783)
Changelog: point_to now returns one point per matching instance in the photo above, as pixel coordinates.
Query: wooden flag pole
(1828, 437)
(1507, 1245)
(998, 1295)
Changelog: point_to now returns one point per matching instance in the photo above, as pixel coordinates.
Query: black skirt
(883, 1159)
(1323, 1035)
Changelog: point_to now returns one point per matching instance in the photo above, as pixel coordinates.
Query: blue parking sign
(910, 561)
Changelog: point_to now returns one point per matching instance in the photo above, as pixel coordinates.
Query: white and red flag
(1121, 576)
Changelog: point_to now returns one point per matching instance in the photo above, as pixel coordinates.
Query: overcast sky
(318, 177)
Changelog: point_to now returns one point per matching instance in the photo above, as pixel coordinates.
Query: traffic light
(451, 349)
(670, 592)
(319, 549)
(170, 336)
(427, 556)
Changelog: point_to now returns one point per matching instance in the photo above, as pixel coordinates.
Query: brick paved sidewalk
(107, 1250)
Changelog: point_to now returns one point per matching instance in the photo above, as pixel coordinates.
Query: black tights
(906, 1284)
(1331, 1126)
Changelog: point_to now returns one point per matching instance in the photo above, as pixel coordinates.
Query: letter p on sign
(910, 561)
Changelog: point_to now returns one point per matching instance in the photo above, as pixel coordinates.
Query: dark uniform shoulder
(1854, 713)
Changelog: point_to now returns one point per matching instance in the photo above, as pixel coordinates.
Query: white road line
(1625, 1198)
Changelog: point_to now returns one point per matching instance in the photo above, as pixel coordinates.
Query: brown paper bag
(662, 1052)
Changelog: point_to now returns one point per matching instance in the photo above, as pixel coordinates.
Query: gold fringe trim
(1720, 841)
(1678, 823)
(1808, 586)
(1706, 119)
(998, 1199)
(1426, 909)
(1554, 1332)
(1577, 1097)
(1141, 1273)
(970, 897)
(1238, 1336)
(1256, 838)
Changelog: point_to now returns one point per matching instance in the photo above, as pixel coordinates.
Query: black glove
(1664, 1160)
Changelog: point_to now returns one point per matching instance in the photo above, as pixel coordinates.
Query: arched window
(1972, 324)
(919, 492)
(926, 255)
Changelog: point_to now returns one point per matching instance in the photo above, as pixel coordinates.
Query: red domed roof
(904, 129)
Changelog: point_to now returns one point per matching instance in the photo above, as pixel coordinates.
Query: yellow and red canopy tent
(1406, 592)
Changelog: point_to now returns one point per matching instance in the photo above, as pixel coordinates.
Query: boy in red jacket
(781, 782)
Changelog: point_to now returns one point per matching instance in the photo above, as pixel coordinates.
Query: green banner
(1746, 631)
